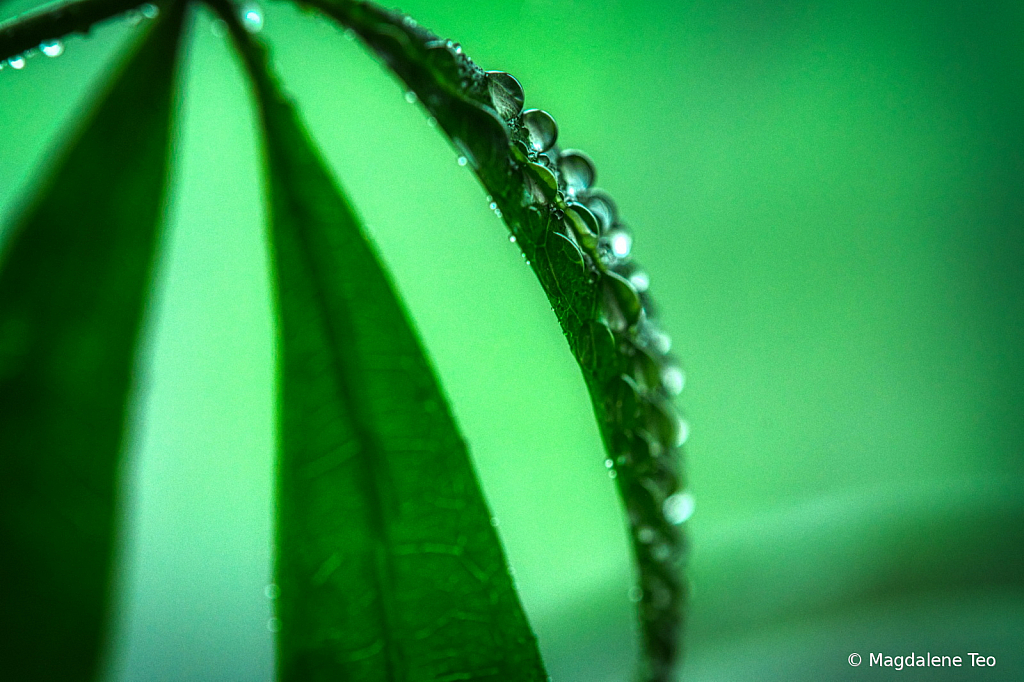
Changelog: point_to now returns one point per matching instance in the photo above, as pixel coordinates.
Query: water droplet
(543, 185)
(52, 48)
(409, 21)
(149, 11)
(647, 370)
(541, 129)
(272, 591)
(595, 344)
(608, 463)
(640, 280)
(645, 534)
(620, 242)
(506, 94)
(493, 206)
(673, 379)
(661, 552)
(410, 97)
(571, 249)
(577, 171)
(603, 208)
(678, 508)
(274, 624)
(682, 431)
(494, 521)
(622, 305)
(431, 121)
(612, 474)
(252, 17)
(219, 28)
(462, 160)
(16, 62)
(350, 34)
(497, 212)
(663, 421)
(649, 308)
(658, 339)
(658, 594)
(584, 224)
(512, 238)
(635, 594)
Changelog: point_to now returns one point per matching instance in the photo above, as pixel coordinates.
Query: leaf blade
(377, 493)
(570, 234)
(73, 281)
(26, 31)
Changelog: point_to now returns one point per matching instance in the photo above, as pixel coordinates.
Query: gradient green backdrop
(830, 201)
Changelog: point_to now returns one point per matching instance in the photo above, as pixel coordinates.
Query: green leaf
(388, 565)
(73, 284)
(571, 235)
(26, 31)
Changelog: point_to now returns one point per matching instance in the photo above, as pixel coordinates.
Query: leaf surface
(579, 247)
(58, 20)
(74, 277)
(388, 566)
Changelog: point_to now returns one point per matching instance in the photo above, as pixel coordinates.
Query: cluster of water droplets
(47, 48)
(55, 47)
(250, 16)
(142, 13)
(619, 342)
(273, 592)
(650, 430)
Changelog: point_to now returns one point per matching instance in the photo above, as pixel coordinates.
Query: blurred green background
(830, 201)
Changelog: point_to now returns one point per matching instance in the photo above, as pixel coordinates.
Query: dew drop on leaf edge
(52, 48)
(682, 432)
(603, 207)
(541, 129)
(542, 184)
(584, 223)
(640, 280)
(621, 242)
(507, 94)
(678, 508)
(673, 379)
(252, 17)
(577, 171)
